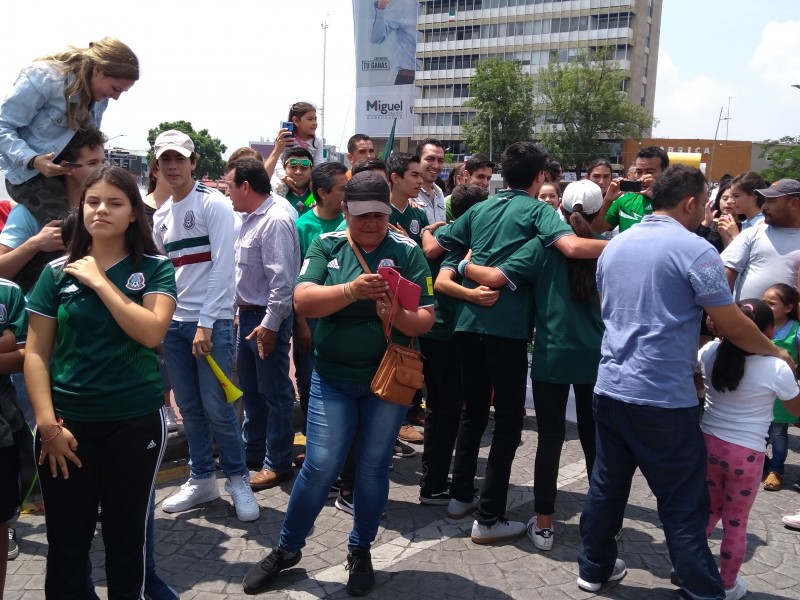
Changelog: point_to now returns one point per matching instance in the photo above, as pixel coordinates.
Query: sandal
(773, 482)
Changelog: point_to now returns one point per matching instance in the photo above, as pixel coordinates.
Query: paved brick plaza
(420, 555)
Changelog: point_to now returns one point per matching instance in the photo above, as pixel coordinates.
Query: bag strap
(387, 328)
(358, 254)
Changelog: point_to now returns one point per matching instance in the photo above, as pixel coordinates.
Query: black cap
(783, 187)
(367, 192)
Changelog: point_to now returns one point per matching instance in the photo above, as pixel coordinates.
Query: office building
(453, 35)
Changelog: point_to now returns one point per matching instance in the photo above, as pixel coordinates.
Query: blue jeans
(668, 447)
(303, 366)
(338, 412)
(268, 395)
(207, 416)
(779, 440)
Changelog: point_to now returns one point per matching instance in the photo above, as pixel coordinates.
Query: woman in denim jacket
(52, 99)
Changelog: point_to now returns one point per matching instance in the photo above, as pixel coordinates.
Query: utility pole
(728, 117)
(324, 56)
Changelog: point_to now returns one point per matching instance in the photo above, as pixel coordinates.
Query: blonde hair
(111, 56)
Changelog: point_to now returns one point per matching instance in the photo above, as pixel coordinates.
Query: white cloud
(776, 60)
(688, 108)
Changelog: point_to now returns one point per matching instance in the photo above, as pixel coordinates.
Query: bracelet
(462, 267)
(58, 426)
(348, 294)
(31, 161)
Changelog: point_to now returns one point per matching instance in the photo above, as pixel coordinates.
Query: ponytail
(582, 272)
(728, 368)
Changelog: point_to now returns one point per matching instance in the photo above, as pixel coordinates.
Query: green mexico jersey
(98, 372)
(445, 305)
(301, 203)
(568, 333)
(13, 317)
(349, 344)
(495, 229)
(412, 220)
(788, 343)
(628, 210)
(310, 226)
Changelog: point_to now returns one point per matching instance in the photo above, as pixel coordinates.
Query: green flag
(387, 150)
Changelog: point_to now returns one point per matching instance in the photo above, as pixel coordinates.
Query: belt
(247, 308)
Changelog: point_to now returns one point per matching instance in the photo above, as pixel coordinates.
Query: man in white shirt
(195, 229)
(762, 256)
(431, 197)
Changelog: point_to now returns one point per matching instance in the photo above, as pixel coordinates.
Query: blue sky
(235, 70)
(715, 49)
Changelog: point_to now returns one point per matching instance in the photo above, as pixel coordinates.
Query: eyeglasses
(303, 162)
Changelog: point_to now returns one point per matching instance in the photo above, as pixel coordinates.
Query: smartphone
(288, 136)
(407, 292)
(626, 185)
(71, 165)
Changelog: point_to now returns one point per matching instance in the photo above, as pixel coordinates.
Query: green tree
(209, 148)
(784, 158)
(580, 104)
(502, 96)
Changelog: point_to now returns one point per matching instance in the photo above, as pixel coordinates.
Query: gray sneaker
(460, 510)
(172, 420)
(618, 573)
(13, 547)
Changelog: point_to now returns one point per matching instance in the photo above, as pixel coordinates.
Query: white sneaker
(739, 590)
(503, 530)
(618, 573)
(792, 521)
(542, 538)
(192, 493)
(244, 501)
(458, 510)
(172, 420)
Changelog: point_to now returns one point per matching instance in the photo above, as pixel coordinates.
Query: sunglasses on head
(303, 162)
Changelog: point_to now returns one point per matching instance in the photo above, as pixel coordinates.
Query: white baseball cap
(584, 196)
(173, 140)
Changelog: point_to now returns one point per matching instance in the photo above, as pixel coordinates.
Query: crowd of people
(672, 312)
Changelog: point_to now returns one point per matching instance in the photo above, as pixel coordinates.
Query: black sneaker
(362, 578)
(261, 575)
(13, 547)
(796, 486)
(334, 491)
(402, 450)
(344, 502)
(439, 499)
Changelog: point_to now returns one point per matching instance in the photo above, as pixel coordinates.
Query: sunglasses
(303, 162)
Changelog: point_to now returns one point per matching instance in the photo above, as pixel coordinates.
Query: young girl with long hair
(52, 99)
(92, 376)
(304, 117)
(550, 194)
(740, 389)
(747, 203)
(783, 300)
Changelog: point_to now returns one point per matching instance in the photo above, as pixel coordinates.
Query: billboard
(386, 46)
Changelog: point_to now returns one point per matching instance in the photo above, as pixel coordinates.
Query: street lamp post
(490, 136)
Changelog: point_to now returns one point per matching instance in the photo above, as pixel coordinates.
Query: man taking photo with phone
(631, 207)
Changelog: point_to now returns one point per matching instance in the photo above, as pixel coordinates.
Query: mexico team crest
(135, 282)
(414, 226)
(3, 314)
(188, 220)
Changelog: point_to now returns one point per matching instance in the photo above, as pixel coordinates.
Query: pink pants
(734, 476)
